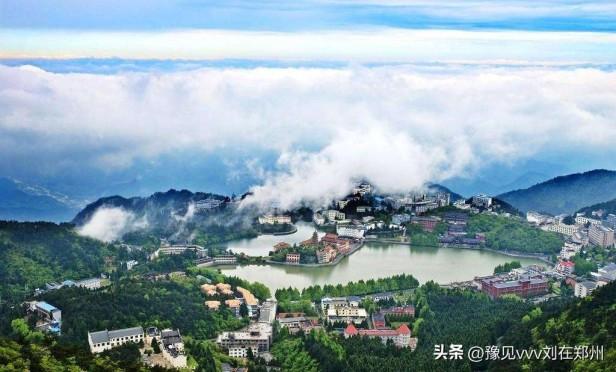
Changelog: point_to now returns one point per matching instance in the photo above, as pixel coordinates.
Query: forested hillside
(33, 253)
(565, 194)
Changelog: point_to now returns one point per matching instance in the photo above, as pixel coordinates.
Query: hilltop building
(401, 336)
(272, 219)
(105, 340)
(601, 235)
(48, 317)
(173, 348)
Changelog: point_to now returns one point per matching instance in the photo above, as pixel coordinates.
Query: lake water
(373, 260)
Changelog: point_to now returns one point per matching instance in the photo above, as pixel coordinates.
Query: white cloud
(109, 224)
(400, 126)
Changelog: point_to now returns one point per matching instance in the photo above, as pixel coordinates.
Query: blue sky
(131, 97)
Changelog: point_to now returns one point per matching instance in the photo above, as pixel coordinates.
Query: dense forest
(510, 234)
(33, 253)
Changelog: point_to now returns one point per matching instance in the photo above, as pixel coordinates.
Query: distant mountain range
(23, 202)
(565, 194)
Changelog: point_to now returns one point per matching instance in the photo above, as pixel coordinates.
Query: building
(346, 314)
(295, 322)
(378, 320)
(406, 310)
(583, 289)
(267, 312)
(400, 218)
(208, 289)
(582, 220)
(250, 300)
(562, 228)
(354, 232)
(274, 219)
(318, 219)
(326, 255)
(105, 340)
(401, 337)
(212, 305)
(280, 246)
(167, 249)
(258, 339)
(569, 250)
(224, 288)
(565, 267)
(330, 302)
(234, 306)
(208, 204)
(90, 283)
(225, 260)
(130, 264)
(383, 296)
(293, 258)
(48, 317)
(427, 223)
(363, 209)
(496, 286)
(334, 215)
(606, 274)
(456, 218)
(601, 235)
(482, 201)
(610, 221)
(537, 218)
(173, 348)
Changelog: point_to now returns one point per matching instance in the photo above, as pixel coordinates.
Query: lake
(373, 260)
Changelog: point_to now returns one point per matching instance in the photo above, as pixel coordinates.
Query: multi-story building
(272, 219)
(179, 249)
(565, 267)
(267, 312)
(173, 348)
(601, 235)
(605, 274)
(225, 260)
(49, 317)
(583, 289)
(318, 219)
(105, 340)
(482, 201)
(331, 302)
(347, 314)
(351, 231)
(208, 204)
(293, 258)
(524, 287)
(250, 300)
(561, 228)
(582, 220)
(406, 310)
(610, 221)
(334, 215)
(400, 218)
(537, 218)
(427, 223)
(401, 337)
(569, 250)
(326, 255)
(258, 339)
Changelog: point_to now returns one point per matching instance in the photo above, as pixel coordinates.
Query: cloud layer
(398, 126)
(109, 224)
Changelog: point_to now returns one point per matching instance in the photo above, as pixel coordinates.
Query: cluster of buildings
(584, 230)
(169, 341)
(88, 283)
(240, 296)
(208, 204)
(327, 248)
(257, 337)
(456, 231)
(419, 203)
(401, 336)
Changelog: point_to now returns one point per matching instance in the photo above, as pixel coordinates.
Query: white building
(334, 215)
(537, 218)
(318, 219)
(90, 283)
(258, 337)
(354, 232)
(482, 200)
(130, 264)
(225, 260)
(271, 219)
(581, 220)
(105, 340)
(346, 314)
(583, 289)
(561, 228)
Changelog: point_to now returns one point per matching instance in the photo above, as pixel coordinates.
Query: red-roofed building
(565, 267)
(329, 238)
(401, 336)
(281, 245)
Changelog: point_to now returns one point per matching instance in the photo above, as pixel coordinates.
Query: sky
(298, 100)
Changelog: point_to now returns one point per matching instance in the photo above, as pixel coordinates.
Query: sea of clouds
(395, 126)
